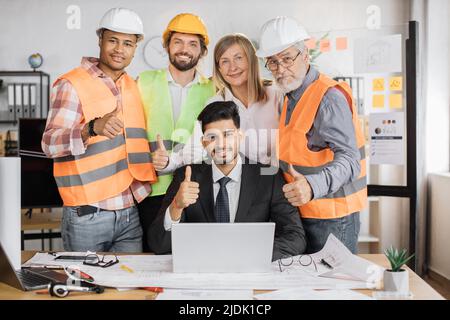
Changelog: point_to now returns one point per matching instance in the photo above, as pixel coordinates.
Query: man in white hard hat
(173, 97)
(96, 135)
(321, 146)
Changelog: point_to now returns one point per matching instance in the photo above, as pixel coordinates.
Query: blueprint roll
(10, 208)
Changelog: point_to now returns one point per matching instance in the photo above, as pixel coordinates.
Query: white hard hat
(122, 20)
(279, 34)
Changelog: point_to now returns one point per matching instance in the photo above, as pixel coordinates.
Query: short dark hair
(219, 110)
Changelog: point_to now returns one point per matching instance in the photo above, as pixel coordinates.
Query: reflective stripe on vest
(155, 94)
(293, 149)
(108, 166)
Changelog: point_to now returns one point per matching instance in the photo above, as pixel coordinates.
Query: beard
(294, 84)
(229, 158)
(183, 66)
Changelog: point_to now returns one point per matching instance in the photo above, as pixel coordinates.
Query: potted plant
(396, 279)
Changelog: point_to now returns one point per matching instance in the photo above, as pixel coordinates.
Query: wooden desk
(420, 289)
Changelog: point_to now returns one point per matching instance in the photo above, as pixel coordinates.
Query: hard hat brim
(273, 51)
(179, 30)
(140, 35)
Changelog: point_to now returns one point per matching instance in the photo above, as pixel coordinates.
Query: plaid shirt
(62, 136)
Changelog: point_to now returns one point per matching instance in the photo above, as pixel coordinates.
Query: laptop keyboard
(30, 281)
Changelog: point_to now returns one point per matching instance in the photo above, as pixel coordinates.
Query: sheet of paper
(310, 294)
(378, 54)
(395, 101)
(378, 84)
(156, 271)
(341, 43)
(135, 271)
(325, 45)
(186, 294)
(396, 83)
(46, 259)
(386, 132)
(378, 101)
(346, 265)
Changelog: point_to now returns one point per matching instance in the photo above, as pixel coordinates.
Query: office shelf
(24, 94)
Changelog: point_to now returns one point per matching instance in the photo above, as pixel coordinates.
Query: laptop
(222, 247)
(27, 279)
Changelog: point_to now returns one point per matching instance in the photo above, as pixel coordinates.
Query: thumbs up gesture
(160, 157)
(109, 125)
(298, 192)
(187, 195)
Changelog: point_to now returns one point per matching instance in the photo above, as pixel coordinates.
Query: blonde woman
(237, 78)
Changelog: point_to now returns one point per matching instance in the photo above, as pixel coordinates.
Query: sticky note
(378, 84)
(396, 84)
(341, 43)
(325, 45)
(378, 100)
(395, 101)
(310, 43)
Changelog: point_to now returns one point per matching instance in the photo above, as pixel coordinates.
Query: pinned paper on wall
(395, 101)
(378, 100)
(396, 84)
(378, 84)
(325, 45)
(310, 43)
(387, 138)
(341, 43)
(378, 54)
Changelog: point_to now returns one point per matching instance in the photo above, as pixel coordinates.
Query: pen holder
(396, 281)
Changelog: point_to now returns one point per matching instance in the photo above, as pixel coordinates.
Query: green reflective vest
(155, 95)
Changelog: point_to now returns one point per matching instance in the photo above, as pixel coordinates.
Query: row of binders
(22, 98)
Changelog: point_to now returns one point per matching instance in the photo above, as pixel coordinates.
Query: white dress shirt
(178, 93)
(259, 123)
(233, 189)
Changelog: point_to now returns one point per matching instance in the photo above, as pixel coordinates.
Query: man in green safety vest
(172, 99)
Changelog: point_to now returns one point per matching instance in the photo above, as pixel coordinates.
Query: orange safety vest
(109, 166)
(293, 149)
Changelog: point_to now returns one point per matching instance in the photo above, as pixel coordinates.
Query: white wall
(40, 26)
(437, 86)
(439, 224)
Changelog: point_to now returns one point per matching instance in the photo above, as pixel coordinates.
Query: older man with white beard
(321, 146)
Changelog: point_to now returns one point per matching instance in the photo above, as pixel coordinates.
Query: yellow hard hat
(187, 23)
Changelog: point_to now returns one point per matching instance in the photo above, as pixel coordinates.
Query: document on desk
(41, 259)
(342, 270)
(336, 261)
(195, 294)
(310, 294)
(156, 271)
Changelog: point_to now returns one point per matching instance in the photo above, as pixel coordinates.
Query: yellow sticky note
(378, 84)
(378, 100)
(396, 84)
(325, 45)
(395, 101)
(341, 43)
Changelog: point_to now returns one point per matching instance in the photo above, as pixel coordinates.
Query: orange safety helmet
(187, 23)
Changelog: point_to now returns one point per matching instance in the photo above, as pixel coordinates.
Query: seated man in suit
(228, 190)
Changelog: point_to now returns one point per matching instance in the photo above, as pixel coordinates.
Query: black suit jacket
(261, 200)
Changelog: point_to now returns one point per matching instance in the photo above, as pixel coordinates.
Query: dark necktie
(222, 207)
